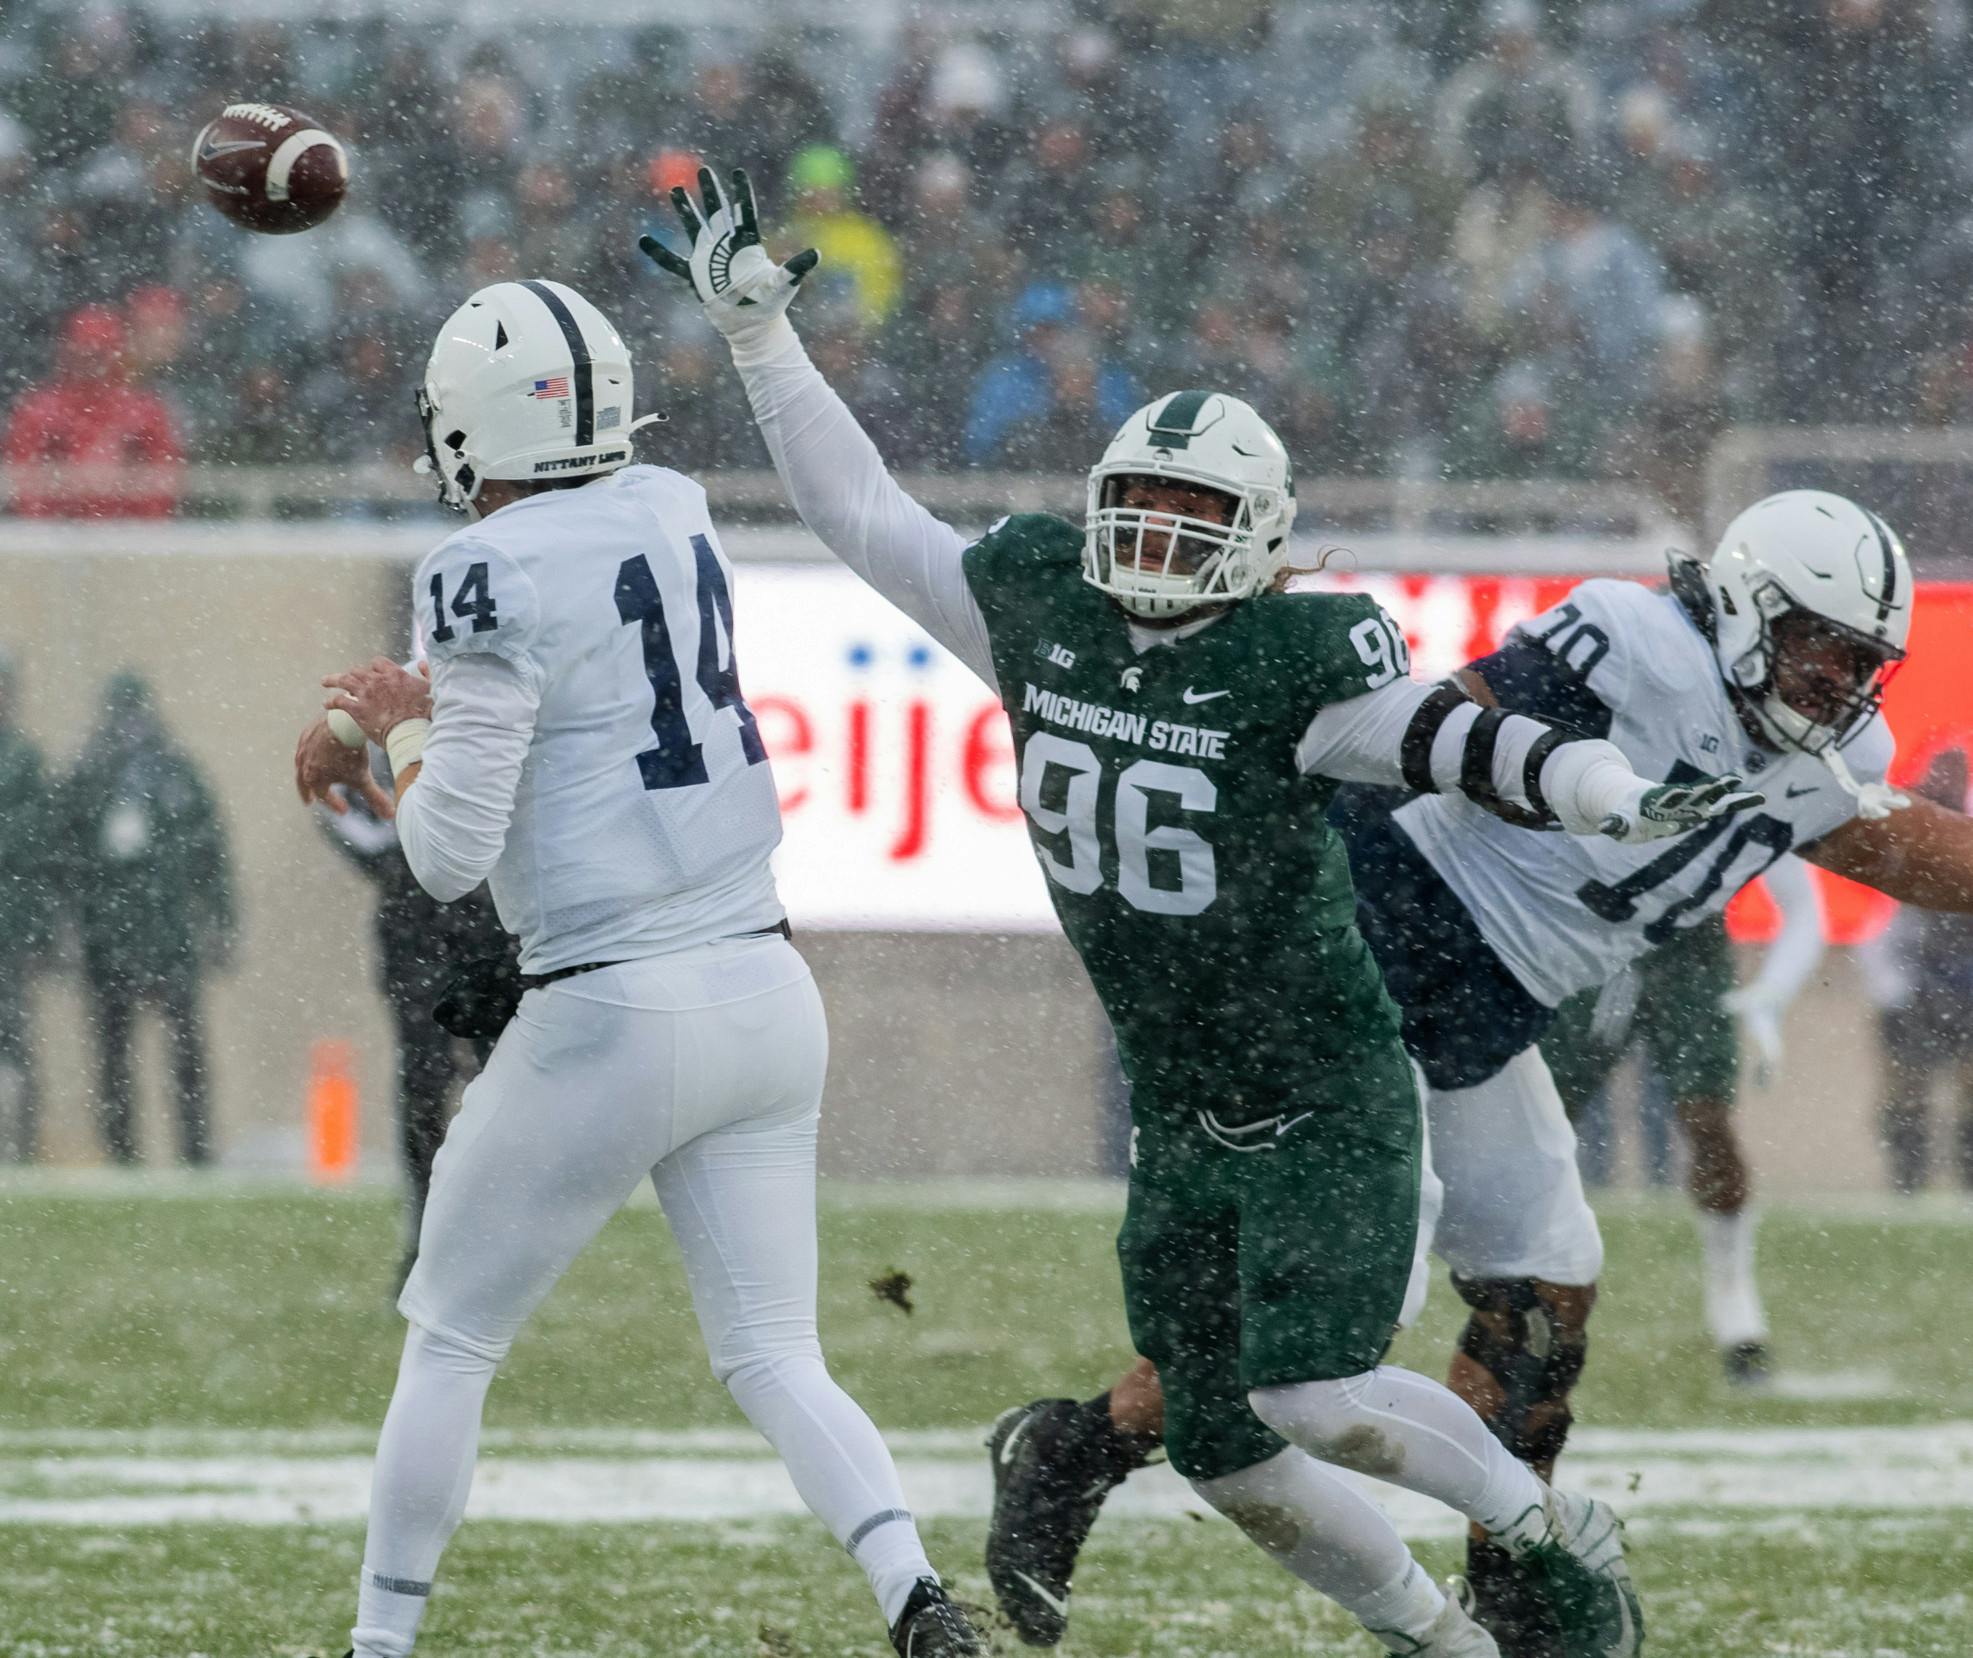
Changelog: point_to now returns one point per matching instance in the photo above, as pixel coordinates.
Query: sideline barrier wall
(965, 1038)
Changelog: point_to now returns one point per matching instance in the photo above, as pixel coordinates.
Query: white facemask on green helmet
(1162, 564)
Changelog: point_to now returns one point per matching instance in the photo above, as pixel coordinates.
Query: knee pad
(1533, 1358)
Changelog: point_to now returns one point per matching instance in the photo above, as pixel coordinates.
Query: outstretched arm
(831, 470)
(1920, 854)
(1435, 739)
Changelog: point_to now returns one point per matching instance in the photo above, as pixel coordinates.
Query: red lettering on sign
(989, 750)
(787, 735)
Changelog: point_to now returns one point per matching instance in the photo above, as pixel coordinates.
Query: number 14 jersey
(645, 813)
(1569, 912)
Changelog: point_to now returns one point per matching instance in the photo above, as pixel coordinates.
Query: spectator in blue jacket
(1052, 381)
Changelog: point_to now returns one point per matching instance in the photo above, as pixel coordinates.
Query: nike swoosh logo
(230, 147)
(1800, 789)
(1059, 1605)
(1189, 695)
(1282, 1128)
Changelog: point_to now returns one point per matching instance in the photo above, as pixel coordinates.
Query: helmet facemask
(1810, 682)
(1161, 564)
(458, 483)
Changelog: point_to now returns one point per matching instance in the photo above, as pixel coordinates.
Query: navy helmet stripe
(583, 376)
(1886, 598)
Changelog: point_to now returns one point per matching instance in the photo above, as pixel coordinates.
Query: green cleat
(1581, 1564)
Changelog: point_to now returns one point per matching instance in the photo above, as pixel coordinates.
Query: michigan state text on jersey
(1178, 728)
(590, 754)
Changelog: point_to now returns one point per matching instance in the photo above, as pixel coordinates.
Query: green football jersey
(1187, 857)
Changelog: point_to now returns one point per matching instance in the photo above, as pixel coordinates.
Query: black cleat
(1746, 1364)
(930, 1626)
(1049, 1483)
(1510, 1604)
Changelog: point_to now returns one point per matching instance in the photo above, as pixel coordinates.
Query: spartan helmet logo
(1132, 678)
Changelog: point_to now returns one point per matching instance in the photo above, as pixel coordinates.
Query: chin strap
(1874, 800)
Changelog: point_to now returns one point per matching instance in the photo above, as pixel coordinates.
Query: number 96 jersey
(1621, 660)
(1187, 855)
(646, 812)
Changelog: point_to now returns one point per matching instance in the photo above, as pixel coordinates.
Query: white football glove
(744, 292)
(1664, 809)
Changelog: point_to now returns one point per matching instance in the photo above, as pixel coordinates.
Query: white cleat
(1454, 1635)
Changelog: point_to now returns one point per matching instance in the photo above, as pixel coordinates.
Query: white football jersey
(1567, 912)
(646, 811)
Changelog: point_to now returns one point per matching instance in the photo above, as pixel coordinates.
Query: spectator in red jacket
(92, 413)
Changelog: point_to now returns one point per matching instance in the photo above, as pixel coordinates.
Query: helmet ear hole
(455, 440)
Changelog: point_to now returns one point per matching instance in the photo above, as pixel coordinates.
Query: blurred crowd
(1459, 238)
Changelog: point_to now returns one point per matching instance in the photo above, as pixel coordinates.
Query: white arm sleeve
(452, 821)
(1797, 948)
(840, 486)
(1362, 740)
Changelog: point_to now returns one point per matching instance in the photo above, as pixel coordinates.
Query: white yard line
(1670, 1478)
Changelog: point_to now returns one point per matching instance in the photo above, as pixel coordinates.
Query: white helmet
(1209, 441)
(1810, 564)
(526, 380)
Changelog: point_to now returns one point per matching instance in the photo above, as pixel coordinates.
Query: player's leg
(1188, 1282)
(739, 1194)
(1055, 1461)
(1694, 1045)
(425, 1070)
(1903, 1117)
(1525, 1253)
(1329, 1244)
(551, 1139)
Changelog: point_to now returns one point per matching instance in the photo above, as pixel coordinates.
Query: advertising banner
(896, 769)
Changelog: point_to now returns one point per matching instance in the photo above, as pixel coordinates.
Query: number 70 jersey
(646, 811)
(1566, 913)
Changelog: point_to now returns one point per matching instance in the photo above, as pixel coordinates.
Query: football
(269, 168)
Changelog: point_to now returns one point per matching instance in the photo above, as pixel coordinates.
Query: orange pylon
(331, 1109)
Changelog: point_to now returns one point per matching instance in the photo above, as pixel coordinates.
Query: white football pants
(701, 1070)
(1503, 1197)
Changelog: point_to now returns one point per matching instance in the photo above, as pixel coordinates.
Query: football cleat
(1581, 1564)
(930, 1626)
(1046, 1495)
(1509, 1599)
(1454, 1635)
(1746, 1364)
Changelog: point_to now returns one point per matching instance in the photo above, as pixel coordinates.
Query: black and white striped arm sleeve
(1434, 738)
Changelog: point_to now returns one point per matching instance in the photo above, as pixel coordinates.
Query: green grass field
(190, 1383)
